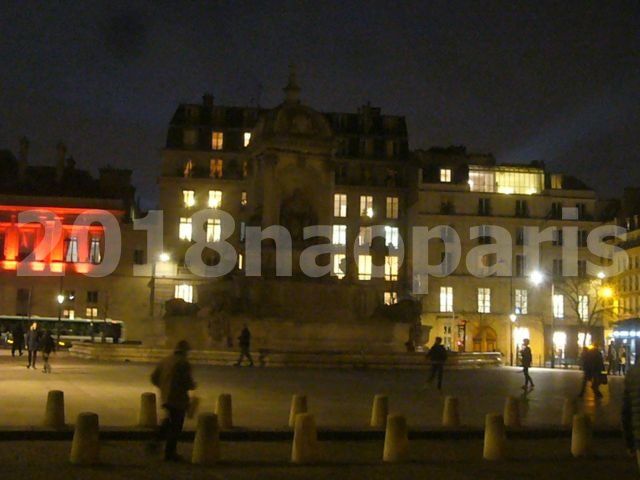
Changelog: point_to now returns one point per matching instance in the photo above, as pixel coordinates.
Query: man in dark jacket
(526, 358)
(17, 334)
(244, 341)
(173, 377)
(631, 411)
(33, 343)
(592, 366)
(437, 355)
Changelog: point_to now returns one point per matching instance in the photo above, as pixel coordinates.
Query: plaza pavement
(450, 460)
(341, 399)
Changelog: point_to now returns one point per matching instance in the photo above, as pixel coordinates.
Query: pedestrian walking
(612, 359)
(593, 368)
(33, 343)
(622, 362)
(173, 377)
(244, 341)
(526, 358)
(47, 345)
(17, 334)
(631, 412)
(437, 355)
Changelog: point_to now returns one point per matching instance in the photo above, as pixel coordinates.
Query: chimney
(23, 158)
(207, 100)
(61, 150)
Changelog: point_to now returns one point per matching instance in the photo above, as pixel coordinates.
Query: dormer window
(445, 175)
(217, 140)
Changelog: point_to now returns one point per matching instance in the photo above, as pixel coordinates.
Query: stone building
(38, 263)
(472, 313)
(295, 166)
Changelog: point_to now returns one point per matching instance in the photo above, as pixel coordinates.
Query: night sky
(557, 81)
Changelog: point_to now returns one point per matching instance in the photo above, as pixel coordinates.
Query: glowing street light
(164, 257)
(601, 275)
(513, 317)
(606, 292)
(60, 299)
(536, 277)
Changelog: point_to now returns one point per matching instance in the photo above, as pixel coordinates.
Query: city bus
(72, 330)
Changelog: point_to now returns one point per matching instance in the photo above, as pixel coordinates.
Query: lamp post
(163, 258)
(537, 278)
(513, 317)
(60, 300)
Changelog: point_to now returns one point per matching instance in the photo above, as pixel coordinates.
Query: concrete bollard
(512, 413)
(396, 439)
(224, 411)
(298, 405)
(451, 412)
(581, 436)
(379, 411)
(54, 411)
(148, 417)
(569, 409)
(206, 445)
(305, 439)
(85, 447)
(495, 441)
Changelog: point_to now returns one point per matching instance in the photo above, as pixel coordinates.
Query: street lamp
(60, 300)
(163, 257)
(513, 317)
(538, 278)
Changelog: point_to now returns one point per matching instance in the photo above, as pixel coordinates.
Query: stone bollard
(569, 409)
(512, 413)
(495, 441)
(581, 436)
(298, 405)
(206, 445)
(224, 411)
(396, 439)
(85, 447)
(379, 411)
(54, 411)
(305, 439)
(451, 412)
(148, 417)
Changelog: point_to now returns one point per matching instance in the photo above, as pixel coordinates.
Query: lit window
(339, 265)
(213, 230)
(215, 168)
(215, 198)
(72, 250)
(94, 250)
(364, 267)
(390, 298)
(522, 305)
(583, 307)
(556, 181)
(392, 207)
(365, 236)
(484, 300)
(445, 175)
(506, 180)
(243, 199)
(91, 312)
(558, 306)
(184, 232)
(69, 313)
(446, 299)
(188, 168)
(247, 138)
(216, 140)
(339, 205)
(366, 206)
(391, 235)
(240, 261)
(339, 236)
(189, 198)
(391, 268)
(184, 291)
(582, 341)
